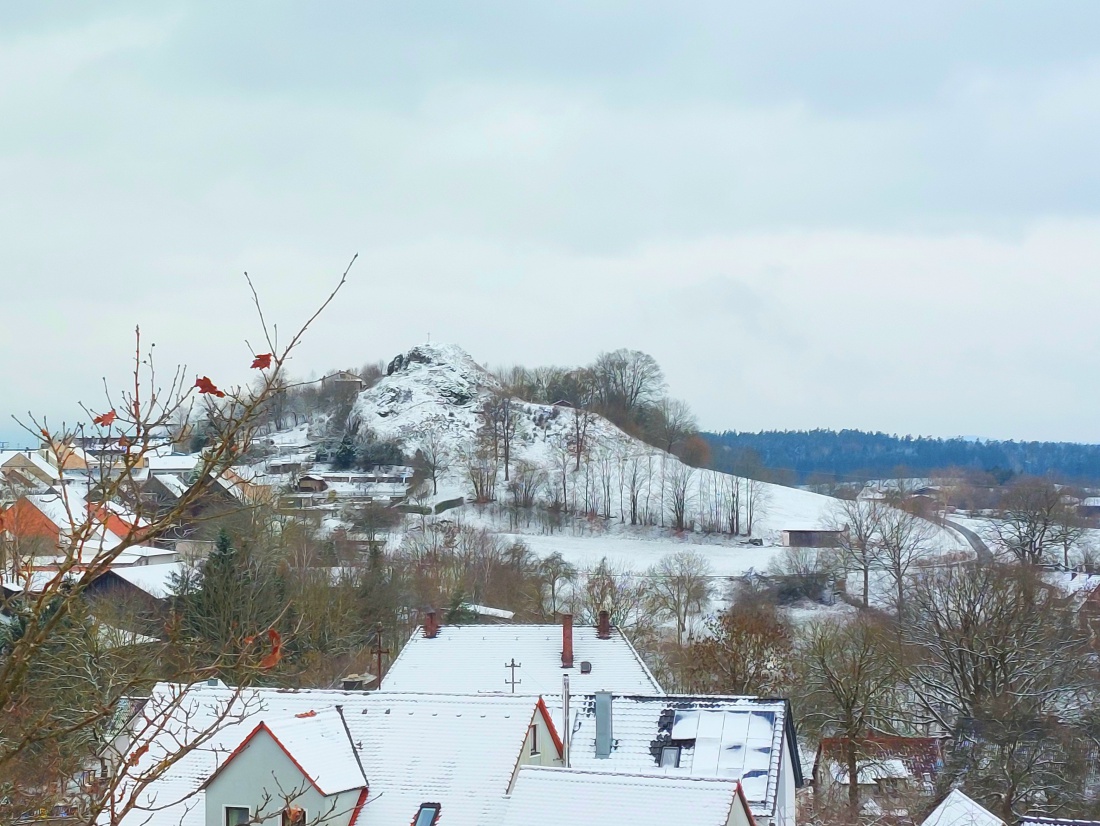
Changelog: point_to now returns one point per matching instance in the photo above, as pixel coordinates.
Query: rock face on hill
(437, 392)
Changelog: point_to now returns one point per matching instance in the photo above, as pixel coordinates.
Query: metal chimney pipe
(603, 724)
(567, 728)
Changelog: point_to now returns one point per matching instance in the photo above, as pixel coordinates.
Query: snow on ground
(585, 552)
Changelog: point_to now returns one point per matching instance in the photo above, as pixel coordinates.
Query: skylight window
(428, 814)
(670, 757)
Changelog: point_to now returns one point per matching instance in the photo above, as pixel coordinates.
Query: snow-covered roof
(565, 797)
(155, 580)
(486, 611)
(872, 771)
(32, 457)
(173, 483)
(318, 742)
(173, 463)
(959, 810)
(1088, 502)
(731, 737)
(459, 751)
(1055, 821)
(471, 659)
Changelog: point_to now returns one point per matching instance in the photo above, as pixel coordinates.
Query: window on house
(670, 757)
(428, 814)
(294, 816)
(534, 736)
(237, 816)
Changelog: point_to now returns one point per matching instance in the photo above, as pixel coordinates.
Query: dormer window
(670, 757)
(428, 814)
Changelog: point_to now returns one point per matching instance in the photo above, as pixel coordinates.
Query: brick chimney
(603, 628)
(431, 625)
(566, 640)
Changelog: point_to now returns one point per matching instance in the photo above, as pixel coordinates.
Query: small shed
(812, 538)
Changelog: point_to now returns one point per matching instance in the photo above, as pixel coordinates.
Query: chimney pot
(603, 630)
(567, 641)
(431, 627)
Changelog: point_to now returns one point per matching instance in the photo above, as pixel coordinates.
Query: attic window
(670, 757)
(237, 815)
(534, 740)
(428, 814)
(294, 816)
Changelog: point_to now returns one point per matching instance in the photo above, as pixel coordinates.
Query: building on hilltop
(474, 658)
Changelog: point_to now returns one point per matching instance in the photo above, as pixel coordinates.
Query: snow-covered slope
(437, 391)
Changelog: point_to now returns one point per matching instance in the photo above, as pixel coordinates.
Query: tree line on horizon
(804, 456)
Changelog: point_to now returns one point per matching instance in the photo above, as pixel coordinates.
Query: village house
(747, 739)
(458, 753)
(569, 797)
(959, 810)
(343, 380)
(474, 658)
(890, 769)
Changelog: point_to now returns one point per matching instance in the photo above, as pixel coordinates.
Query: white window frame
(678, 750)
(534, 732)
(227, 807)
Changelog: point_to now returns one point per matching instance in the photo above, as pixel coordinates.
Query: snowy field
(637, 555)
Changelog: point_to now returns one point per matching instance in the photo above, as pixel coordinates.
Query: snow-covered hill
(436, 392)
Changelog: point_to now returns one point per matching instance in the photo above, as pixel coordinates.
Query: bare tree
(681, 588)
(998, 659)
(858, 523)
(671, 423)
(1027, 523)
(625, 380)
(749, 650)
(433, 457)
(904, 540)
(849, 682)
(755, 500)
(50, 616)
(678, 478)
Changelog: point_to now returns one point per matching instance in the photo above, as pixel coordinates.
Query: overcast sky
(813, 214)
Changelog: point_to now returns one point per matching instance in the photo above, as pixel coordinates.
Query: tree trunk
(853, 781)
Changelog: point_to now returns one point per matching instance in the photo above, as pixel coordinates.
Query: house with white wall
(747, 739)
(459, 753)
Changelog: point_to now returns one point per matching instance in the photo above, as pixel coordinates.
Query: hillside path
(980, 548)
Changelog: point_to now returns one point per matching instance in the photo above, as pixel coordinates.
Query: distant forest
(801, 456)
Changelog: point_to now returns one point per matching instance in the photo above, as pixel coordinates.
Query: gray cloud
(842, 215)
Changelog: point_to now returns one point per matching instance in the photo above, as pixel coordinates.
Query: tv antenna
(513, 665)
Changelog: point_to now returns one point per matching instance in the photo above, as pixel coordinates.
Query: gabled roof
(471, 658)
(318, 743)
(565, 797)
(740, 738)
(459, 750)
(155, 580)
(959, 810)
